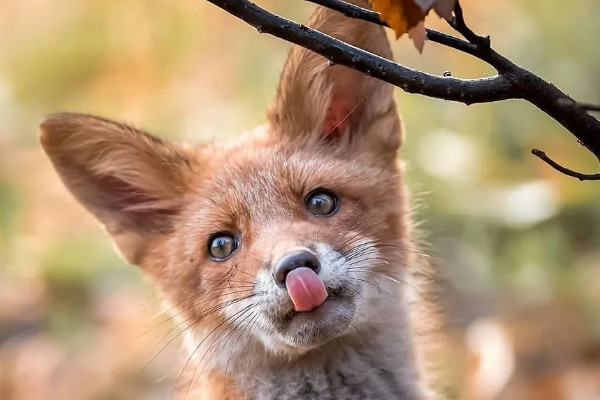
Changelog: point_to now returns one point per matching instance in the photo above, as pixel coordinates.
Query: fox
(286, 253)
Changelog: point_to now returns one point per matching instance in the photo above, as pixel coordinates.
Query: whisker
(386, 275)
(212, 310)
(408, 249)
(244, 272)
(236, 315)
(244, 329)
(174, 306)
(198, 347)
(215, 346)
(364, 252)
(345, 252)
(369, 283)
(227, 280)
(367, 259)
(187, 309)
(348, 242)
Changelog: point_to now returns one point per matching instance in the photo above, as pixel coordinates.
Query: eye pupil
(222, 246)
(321, 203)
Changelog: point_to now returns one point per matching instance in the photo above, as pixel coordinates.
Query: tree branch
(512, 81)
(583, 106)
(566, 171)
(466, 91)
(353, 11)
(589, 106)
(459, 24)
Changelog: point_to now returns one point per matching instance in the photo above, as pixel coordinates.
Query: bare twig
(512, 81)
(351, 10)
(459, 24)
(589, 106)
(577, 104)
(566, 171)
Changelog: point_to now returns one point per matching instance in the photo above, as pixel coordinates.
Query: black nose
(293, 260)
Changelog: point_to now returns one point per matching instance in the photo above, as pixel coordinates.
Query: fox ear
(317, 100)
(131, 181)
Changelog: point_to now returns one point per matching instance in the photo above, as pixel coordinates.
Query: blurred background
(517, 242)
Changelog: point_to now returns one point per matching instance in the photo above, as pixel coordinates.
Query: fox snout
(293, 260)
(297, 272)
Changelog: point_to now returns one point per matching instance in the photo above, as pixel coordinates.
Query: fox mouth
(334, 294)
(326, 322)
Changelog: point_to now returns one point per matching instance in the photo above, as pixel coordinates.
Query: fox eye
(221, 246)
(321, 202)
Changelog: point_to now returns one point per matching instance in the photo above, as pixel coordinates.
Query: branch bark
(511, 82)
(563, 170)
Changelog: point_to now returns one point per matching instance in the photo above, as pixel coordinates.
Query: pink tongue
(306, 289)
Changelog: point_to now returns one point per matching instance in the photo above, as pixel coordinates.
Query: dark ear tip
(47, 128)
(55, 126)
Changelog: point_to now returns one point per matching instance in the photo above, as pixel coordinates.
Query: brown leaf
(425, 4)
(418, 34)
(444, 8)
(401, 15)
(408, 15)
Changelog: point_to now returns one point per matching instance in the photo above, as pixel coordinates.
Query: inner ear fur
(317, 100)
(134, 183)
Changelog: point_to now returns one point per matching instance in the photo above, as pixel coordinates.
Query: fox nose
(293, 260)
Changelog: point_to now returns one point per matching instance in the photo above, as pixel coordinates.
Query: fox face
(286, 238)
(270, 213)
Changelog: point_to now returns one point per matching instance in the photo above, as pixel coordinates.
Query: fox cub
(285, 252)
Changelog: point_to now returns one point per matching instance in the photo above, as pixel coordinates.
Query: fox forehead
(254, 181)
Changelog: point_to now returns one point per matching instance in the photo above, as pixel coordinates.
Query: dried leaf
(408, 15)
(425, 5)
(444, 8)
(418, 34)
(401, 15)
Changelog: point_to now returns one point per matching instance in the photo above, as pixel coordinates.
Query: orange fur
(330, 127)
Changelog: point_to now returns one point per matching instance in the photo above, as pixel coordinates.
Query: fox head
(288, 236)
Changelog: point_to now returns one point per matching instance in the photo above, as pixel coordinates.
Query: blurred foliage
(516, 241)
